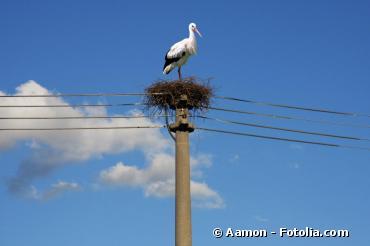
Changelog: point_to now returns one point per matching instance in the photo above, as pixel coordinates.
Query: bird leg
(179, 72)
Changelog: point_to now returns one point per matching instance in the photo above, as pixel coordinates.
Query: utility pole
(182, 127)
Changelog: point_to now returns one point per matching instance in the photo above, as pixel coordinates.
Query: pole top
(187, 127)
(182, 117)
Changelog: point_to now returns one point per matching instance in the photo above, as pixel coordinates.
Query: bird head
(193, 28)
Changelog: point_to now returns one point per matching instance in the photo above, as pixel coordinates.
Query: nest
(165, 94)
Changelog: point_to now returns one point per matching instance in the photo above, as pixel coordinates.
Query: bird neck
(193, 42)
(191, 35)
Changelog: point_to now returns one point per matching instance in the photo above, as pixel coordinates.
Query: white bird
(180, 52)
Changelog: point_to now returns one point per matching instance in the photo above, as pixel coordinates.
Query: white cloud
(161, 167)
(205, 197)
(54, 149)
(55, 190)
(51, 150)
(161, 188)
(77, 145)
(59, 188)
(157, 179)
(202, 195)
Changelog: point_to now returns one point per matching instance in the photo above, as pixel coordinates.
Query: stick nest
(164, 94)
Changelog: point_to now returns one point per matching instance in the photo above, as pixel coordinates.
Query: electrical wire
(82, 95)
(219, 97)
(83, 117)
(293, 107)
(168, 125)
(283, 129)
(275, 116)
(72, 105)
(80, 128)
(283, 139)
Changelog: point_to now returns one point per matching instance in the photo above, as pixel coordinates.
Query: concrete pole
(183, 234)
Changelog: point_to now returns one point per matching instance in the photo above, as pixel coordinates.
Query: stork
(180, 52)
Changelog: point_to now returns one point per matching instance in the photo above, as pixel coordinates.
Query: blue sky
(103, 188)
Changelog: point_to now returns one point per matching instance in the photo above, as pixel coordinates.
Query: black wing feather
(168, 61)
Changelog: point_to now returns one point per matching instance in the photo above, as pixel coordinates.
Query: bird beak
(198, 32)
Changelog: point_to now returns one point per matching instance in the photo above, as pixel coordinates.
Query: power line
(275, 116)
(283, 139)
(82, 117)
(79, 128)
(82, 95)
(294, 107)
(72, 105)
(203, 117)
(283, 129)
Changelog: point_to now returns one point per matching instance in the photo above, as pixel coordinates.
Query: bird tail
(168, 69)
